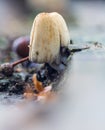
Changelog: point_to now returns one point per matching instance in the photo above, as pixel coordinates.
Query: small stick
(79, 49)
(20, 61)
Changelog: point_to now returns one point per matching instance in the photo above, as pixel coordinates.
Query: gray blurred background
(16, 16)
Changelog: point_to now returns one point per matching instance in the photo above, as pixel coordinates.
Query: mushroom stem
(20, 61)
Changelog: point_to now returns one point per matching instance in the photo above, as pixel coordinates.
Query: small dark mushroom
(8, 68)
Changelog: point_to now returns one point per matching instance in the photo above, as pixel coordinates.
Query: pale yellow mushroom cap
(44, 39)
(63, 29)
(49, 32)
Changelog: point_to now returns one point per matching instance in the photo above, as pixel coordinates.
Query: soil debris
(29, 77)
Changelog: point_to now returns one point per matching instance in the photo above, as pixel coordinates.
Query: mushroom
(49, 32)
(63, 29)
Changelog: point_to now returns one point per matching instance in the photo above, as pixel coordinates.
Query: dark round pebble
(20, 46)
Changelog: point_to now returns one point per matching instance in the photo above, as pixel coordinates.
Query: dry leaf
(38, 85)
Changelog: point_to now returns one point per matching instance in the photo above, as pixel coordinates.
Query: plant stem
(20, 61)
(79, 49)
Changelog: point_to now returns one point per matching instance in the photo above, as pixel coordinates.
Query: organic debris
(12, 85)
(43, 96)
(46, 95)
(33, 80)
(38, 85)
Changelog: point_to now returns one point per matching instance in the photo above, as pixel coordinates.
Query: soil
(20, 78)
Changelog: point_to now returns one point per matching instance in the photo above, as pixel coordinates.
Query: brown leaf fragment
(38, 85)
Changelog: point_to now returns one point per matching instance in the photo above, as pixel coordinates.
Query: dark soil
(17, 81)
(20, 77)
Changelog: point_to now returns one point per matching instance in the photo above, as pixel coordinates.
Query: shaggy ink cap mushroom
(49, 32)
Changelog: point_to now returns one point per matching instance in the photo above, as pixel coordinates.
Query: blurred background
(82, 91)
(16, 16)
